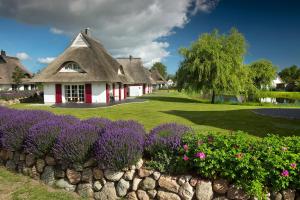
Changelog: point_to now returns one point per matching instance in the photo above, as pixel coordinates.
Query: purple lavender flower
(42, 136)
(15, 130)
(168, 135)
(74, 144)
(120, 145)
(101, 123)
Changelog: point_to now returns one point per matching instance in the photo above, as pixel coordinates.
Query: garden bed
(104, 159)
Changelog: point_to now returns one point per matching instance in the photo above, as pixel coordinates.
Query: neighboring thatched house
(85, 72)
(140, 82)
(8, 65)
(159, 80)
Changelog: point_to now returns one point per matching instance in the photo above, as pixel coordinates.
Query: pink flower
(185, 147)
(239, 155)
(185, 158)
(284, 148)
(199, 142)
(285, 173)
(293, 165)
(201, 155)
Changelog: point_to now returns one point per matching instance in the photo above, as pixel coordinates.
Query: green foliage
(213, 63)
(262, 73)
(291, 76)
(17, 75)
(161, 68)
(255, 164)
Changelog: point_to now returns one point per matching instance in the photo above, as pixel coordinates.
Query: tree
(263, 72)
(161, 68)
(17, 76)
(291, 76)
(213, 63)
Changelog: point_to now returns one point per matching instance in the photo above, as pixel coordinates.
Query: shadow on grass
(172, 99)
(244, 120)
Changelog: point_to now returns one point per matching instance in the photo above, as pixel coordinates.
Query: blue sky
(272, 30)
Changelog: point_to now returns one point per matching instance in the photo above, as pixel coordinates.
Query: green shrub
(256, 164)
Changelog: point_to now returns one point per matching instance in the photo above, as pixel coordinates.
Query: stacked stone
(134, 183)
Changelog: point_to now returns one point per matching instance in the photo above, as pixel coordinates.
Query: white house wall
(49, 93)
(5, 87)
(98, 93)
(135, 90)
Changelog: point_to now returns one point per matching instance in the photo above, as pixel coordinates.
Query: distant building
(135, 72)
(159, 80)
(8, 65)
(278, 84)
(170, 83)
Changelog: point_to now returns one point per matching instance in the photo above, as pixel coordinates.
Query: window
(71, 67)
(74, 93)
(121, 71)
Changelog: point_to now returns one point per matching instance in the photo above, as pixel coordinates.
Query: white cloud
(205, 5)
(123, 26)
(56, 31)
(23, 56)
(46, 60)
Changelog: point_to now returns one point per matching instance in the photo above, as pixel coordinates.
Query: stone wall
(135, 183)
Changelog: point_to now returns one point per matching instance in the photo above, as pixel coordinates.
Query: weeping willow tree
(214, 63)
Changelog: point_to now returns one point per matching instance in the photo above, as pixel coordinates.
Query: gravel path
(279, 112)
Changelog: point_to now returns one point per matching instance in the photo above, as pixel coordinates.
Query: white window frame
(76, 94)
(71, 67)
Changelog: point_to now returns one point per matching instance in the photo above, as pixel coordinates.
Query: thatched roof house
(86, 72)
(8, 65)
(140, 81)
(159, 80)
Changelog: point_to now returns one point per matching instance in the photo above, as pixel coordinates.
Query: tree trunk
(213, 97)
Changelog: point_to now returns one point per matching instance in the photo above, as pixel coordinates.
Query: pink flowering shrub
(252, 163)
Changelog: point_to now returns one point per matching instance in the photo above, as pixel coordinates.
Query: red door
(114, 94)
(58, 98)
(88, 93)
(120, 87)
(125, 91)
(107, 93)
(144, 88)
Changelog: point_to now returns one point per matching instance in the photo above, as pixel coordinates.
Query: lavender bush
(42, 136)
(15, 129)
(10, 95)
(120, 145)
(101, 123)
(162, 145)
(75, 142)
(168, 135)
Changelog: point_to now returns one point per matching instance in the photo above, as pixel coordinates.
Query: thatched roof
(94, 60)
(148, 73)
(7, 67)
(134, 70)
(157, 77)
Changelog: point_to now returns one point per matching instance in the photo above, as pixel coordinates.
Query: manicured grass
(164, 106)
(16, 187)
(279, 94)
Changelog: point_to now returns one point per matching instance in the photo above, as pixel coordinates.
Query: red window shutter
(107, 93)
(120, 88)
(125, 91)
(144, 88)
(58, 98)
(88, 93)
(114, 94)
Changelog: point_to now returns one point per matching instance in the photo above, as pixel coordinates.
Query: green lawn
(17, 187)
(165, 106)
